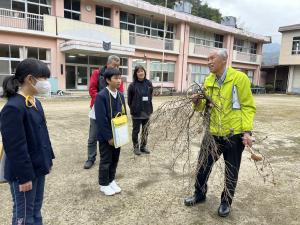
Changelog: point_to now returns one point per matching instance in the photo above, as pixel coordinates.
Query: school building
(290, 57)
(75, 36)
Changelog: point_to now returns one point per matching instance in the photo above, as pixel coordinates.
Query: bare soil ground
(152, 192)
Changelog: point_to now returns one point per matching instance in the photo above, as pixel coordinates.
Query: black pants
(232, 149)
(136, 124)
(109, 157)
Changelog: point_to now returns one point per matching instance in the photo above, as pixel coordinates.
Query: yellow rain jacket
(233, 117)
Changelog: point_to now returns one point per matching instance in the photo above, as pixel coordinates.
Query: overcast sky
(261, 16)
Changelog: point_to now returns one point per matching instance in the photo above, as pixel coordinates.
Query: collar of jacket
(211, 79)
(102, 70)
(140, 81)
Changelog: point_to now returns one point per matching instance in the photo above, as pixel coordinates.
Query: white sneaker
(107, 190)
(115, 187)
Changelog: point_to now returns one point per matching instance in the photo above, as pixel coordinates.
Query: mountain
(270, 54)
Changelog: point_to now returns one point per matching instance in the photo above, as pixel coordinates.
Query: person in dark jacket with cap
(140, 104)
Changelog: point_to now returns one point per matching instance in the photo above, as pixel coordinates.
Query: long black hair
(136, 70)
(30, 66)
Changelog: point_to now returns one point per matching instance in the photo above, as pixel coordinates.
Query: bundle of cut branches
(176, 127)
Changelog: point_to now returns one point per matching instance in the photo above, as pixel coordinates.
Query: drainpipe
(183, 58)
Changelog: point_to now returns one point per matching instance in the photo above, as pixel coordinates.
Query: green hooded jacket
(234, 116)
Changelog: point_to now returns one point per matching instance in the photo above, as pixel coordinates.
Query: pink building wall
(60, 61)
(58, 8)
(32, 41)
(180, 77)
(228, 44)
(88, 16)
(182, 59)
(115, 16)
(154, 55)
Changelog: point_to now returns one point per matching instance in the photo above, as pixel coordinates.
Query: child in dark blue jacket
(26, 140)
(109, 102)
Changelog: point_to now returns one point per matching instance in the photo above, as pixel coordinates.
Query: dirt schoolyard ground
(152, 192)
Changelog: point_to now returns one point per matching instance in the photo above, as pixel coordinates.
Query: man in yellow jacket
(230, 124)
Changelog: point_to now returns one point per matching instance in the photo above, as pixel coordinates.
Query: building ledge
(76, 46)
(25, 31)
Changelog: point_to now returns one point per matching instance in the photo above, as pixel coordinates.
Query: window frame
(147, 26)
(296, 45)
(27, 3)
(239, 45)
(123, 66)
(103, 18)
(199, 37)
(200, 70)
(165, 70)
(72, 12)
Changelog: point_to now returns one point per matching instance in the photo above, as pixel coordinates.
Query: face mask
(42, 86)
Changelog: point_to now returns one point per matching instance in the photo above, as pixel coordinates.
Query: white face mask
(42, 86)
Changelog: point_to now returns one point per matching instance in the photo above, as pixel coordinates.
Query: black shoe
(224, 209)
(145, 150)
(193, 200)
(137, 151)
(88, 164)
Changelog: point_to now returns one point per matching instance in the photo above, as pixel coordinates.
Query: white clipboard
(120, 130)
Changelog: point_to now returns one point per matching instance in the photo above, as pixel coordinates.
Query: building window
(5, 4)
(97, 61)
(145, 26)
(77, 58)
(18, 5)
(38, 53)
(296, 46)
(219, 39)
(42, 54)
(253, 48)
(124, 66)
(238, 45)
(72, 9)
(103, 15)
(10, 56)
(138, 62)
(39, 7)
(250, 74)
(162, 71)
(200, 37)
(4, 51)
(198, 73)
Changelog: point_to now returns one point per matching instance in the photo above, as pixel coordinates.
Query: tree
(199, 9)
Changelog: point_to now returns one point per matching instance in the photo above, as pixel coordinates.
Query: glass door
(82, 77)
(70, 77)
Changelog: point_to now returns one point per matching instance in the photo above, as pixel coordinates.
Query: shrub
(269, 88)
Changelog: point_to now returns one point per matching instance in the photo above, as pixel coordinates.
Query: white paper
(145, 99)
(235, 99)
(121, 135)
(92, 113)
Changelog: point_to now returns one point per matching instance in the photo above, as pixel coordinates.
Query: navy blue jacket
(136, 91)
(103, 113)
(26, 140)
